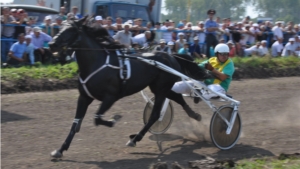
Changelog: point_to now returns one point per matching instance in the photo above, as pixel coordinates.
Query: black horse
(107, 86)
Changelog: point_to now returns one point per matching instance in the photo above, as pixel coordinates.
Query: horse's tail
(190, 68)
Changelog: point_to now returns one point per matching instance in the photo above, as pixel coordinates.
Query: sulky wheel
(159, 127)
(218, 128)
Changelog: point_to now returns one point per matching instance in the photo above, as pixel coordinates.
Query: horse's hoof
(198, 117)
(130, 144)
(56, 154)
(115, 119)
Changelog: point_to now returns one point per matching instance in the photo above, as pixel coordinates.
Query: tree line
(286, 10)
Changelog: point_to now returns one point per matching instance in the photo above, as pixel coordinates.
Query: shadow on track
(8, 117)
(182, 153)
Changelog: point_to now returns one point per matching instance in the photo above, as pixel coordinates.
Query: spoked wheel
(159, 127)
(218, 128)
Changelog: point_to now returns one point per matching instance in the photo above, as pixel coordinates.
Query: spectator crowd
(245, 38)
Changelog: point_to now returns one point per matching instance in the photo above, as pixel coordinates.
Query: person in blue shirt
(211, 27)
(17, 51)
(195, 49)
(184, 49)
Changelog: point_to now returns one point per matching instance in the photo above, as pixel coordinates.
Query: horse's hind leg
(82, 105)
(159, 100)
(107, 102)
(178, 98)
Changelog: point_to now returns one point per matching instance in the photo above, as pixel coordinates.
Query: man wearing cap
(195, 49)
(158, 33)
(171, 46)
(290, 48)
(254, 50)
(38, 39)
(167, 31)
(99, 22)
(211, 28)
(200, 31)
(180, 42)
(29, 49)
(162, 47)
(277, 31)
(124, 36)
(277, 48)
(232, 50)
(47, 26)
(17, 51)
(56, 26)
(264, 49)
(142, 39)
(255, 32)
(20, 21)
(75, 12)
(7, 33)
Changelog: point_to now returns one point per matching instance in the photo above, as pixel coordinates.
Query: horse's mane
(101, 35)
(190, 68)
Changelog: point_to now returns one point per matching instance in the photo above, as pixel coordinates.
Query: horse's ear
(81, 21)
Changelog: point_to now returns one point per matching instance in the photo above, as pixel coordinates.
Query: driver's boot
(191, 113)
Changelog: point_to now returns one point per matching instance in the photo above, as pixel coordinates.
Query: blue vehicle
(148, 10)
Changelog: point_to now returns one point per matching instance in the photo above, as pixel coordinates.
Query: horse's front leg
(107, 102)
(82, 105)
(159, 100)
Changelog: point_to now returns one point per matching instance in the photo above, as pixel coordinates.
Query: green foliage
(70, 70)
(269, 163)
(40, 71)
(287, 10)
(178, 9)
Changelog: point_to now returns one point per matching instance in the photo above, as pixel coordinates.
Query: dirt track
(34, 124)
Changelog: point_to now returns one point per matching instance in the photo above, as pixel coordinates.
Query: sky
(249, 10)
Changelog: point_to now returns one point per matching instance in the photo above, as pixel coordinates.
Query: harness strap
(83, 82)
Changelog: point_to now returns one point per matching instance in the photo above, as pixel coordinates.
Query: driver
(221, 67)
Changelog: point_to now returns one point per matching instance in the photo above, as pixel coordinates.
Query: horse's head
(69, 33)
(190, 68)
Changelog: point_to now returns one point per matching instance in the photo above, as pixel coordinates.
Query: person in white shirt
(124, 36)
(255, 31)
(277, 48)
(171, 46)
(141, 39)
(290, 48)
(201, 35)
(254, 50)
(180, 42)
(167, 30)
(264, 49)
(277, 31)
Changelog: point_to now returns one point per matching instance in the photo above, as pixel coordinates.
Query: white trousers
(183, 88)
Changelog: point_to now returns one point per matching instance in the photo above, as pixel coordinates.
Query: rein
(120, 49)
